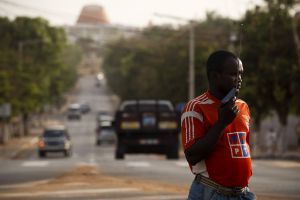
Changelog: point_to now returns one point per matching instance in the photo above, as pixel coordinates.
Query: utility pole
(192, 61)
(20, 51)
(191, 76)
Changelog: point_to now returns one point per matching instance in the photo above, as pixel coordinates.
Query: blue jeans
(198, 191)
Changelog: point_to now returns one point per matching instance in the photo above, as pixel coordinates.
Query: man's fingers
(235, 109)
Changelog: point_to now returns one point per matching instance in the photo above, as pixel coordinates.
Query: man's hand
(227, 112)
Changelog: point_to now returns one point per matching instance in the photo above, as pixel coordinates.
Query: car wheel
(67, 153)
(98, 142)
(119, 155)
(172, 152)
(120, 152)
(42, 154)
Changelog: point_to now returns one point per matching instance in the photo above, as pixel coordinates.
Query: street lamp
(191, 77)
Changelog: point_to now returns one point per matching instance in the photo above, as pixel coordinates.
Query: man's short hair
(216, 60)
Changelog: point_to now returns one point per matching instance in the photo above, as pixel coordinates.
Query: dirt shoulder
(88, 177)
(15, 147)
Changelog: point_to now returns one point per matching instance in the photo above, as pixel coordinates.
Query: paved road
(278, 178)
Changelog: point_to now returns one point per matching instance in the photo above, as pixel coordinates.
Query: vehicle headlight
(41, 143)
(167, 125)
(67, 145)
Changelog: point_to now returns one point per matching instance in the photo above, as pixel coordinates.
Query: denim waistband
(227, 191)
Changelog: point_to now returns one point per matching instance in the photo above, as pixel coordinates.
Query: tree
(148, 66)
(36, 65)
(271, 58)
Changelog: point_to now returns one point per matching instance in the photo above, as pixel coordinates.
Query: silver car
(74, 112)
(55, 139)
(105, 129)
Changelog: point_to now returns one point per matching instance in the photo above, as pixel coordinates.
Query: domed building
(93, 31)
(92, 14)
(93, 24)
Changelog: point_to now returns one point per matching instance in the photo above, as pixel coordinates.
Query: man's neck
(215, 93)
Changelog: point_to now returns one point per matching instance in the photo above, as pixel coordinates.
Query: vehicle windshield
(73, 109)
(105, 118)
(54, 133)
(147, 107)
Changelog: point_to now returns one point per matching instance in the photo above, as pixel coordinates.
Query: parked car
(55, 138)
(74, 112)
(105, 128)
(147, 126)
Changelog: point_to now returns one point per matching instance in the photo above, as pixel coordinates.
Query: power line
(53, 13)
(4, 10)
(22, 6)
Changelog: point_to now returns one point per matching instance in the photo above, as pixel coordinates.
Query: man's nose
(239, 78)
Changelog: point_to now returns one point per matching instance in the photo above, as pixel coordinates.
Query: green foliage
(36, 64)
(271, 59)
(151, 65)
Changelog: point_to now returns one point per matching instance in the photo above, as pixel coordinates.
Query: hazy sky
(126, 12)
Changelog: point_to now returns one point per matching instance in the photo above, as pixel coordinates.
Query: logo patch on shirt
(238, 145)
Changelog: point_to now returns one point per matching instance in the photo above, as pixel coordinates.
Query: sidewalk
(293, 155)
(16, 146)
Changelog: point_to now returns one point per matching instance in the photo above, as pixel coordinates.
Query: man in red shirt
(215, 134)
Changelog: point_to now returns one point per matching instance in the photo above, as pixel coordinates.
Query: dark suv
(55, 139)
(147, 126)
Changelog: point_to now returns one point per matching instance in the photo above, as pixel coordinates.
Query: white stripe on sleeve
(191, 114)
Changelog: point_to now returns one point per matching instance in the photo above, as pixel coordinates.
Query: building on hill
(93, 24)
(92, 14)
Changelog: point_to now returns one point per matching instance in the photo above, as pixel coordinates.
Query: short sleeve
(248, 124)
(192, 124)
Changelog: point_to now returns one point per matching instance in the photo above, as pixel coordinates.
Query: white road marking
(182, 163)
(22, 185)
(85, 164)
(75, 155)
(70, 193)
(35, 163)
(92, 160)
(150, 197)
(138, 164)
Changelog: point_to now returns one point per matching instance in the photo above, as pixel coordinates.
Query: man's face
(230, 76)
